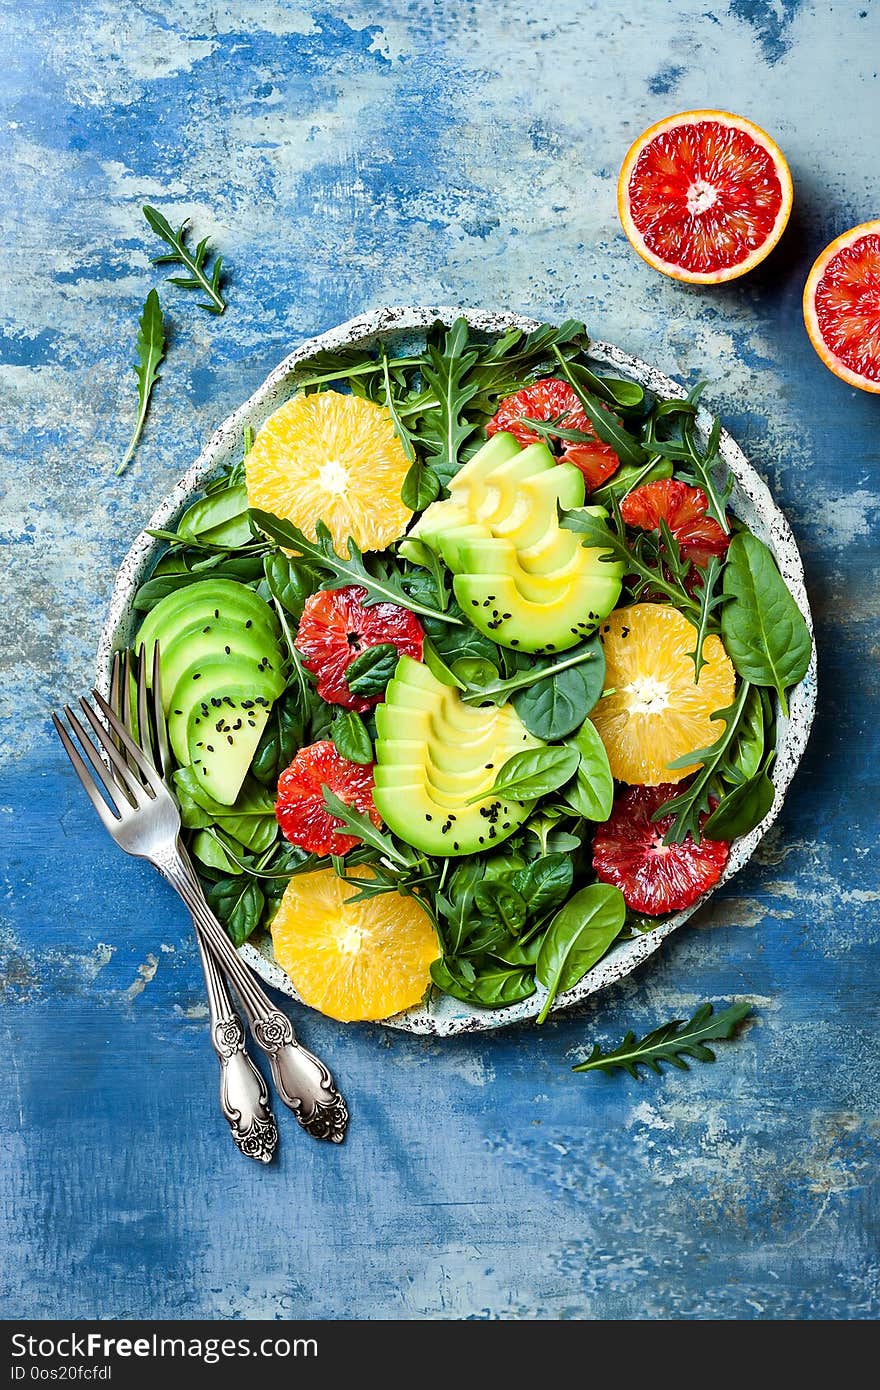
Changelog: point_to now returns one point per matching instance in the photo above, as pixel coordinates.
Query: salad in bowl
(479, 669)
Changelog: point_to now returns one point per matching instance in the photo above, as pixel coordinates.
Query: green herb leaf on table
(592, 793)
(534, 772)
(671, 1042)
(579, 935)
(193, 261)
(763, 629)
(349, 734)
(151, 350)
(372, 669)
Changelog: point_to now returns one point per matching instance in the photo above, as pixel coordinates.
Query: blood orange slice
(704, 196)
(842, 306)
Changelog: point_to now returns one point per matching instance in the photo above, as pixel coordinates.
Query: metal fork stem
(303, 1082)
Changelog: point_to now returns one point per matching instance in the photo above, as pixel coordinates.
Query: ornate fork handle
(302, 1080)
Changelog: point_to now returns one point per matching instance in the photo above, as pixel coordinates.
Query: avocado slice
(497, 607)
(428, 770)
(218, 710)
(455, 510)
(208, 600)
(216, 638)
(536, 503)
(469, 480)
(500, 557)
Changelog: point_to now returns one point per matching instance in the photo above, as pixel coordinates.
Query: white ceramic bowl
(750, 500)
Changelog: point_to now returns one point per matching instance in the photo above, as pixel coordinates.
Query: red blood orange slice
(300, 809)
(842, 306)
(704, 196)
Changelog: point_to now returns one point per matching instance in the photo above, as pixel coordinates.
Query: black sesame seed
(197, 676)
(216, 612)
(249, 623)
(206, 629)
(210, 747)
(228, 651)
(229, 738)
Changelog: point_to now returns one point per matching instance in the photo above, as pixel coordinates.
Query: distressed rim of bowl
(443, 1016)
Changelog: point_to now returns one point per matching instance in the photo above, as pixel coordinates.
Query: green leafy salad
(469, 671)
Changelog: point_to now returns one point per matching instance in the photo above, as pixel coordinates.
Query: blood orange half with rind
(704, 196)
(842, 306)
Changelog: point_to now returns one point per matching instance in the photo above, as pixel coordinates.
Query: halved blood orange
(842, 306)
(704, 196)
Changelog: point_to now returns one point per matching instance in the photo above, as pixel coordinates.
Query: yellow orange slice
(363, 960)
(657, 712)
(335, 458)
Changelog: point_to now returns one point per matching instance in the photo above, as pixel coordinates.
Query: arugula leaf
(625, 445)
(627, 395)
(354, 822)
(704, 619)
(349, 734)
(480, 685)
(193, 261)
(700, 473)
(765, 634)
(671, 1042)
(592, 794)
(385, 587)
(151, 350)
(447, 363)
(534, 772)
(579, 935)
(689, 805)
(653, 559)
(372, 669)
(630, 476)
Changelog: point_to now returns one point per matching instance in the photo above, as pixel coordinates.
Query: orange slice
(704, 196)
(335, 458)
(657, 712)
(842, 306)
(364, 960)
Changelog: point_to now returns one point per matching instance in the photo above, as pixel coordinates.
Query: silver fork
(244, 1098)
(143, 819)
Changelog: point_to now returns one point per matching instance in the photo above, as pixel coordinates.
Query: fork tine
(145, 732)
(108, 820)
(126, 776)
(125, 710)
(90, 782)
(162, 751)
(151, 777)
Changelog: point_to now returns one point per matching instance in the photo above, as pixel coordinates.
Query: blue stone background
(344, 156)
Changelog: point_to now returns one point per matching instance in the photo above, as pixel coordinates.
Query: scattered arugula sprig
(670, 1043)
(193, 261)
(151, 350)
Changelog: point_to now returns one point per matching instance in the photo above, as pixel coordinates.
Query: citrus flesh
(353, 961)
(842, 306)
(704, 196)
(332, 457)
(656, 712)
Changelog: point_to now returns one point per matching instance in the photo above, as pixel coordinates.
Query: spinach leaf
(512, 951)
(555, 706)
(209, 851)
(750, 736)
(437, 666)
(252, 800)
(763, 629)
(420, 487)
(289, 581)
(283, 736)
(238, 903)
(592, 794)
(545, 882)
(349, 734)
(371, 671)
(579, 935)
(534, 772)
(501, 905)
(742, 808)
(493, 986)
(245, 568)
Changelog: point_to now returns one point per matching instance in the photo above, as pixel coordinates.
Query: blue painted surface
(343, 157)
